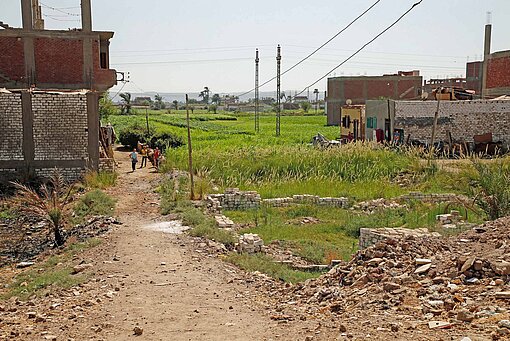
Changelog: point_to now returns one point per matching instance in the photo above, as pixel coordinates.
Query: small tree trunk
(59, 238)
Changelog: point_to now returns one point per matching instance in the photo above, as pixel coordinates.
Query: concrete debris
(250, 243)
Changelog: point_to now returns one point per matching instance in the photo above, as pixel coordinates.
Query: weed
(266, 264)
(493, 188)
(94, 203)
(100, 180)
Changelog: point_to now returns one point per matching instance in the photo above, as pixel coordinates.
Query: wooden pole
(190, 153)
(434, 127)
(147, 120)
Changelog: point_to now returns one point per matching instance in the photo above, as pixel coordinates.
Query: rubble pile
(369, 237)
(458, 282)
(250, 243)
(378, 204)
(224, 222)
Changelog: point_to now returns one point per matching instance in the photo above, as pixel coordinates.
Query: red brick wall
(12, 58)
(498, 72)
(403, 86)
(101, 76)
(353, 89)
(59, 60)
(380, 88)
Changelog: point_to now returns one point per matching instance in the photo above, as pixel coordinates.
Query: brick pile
(369, 237)
(250, 243)
(307, 199)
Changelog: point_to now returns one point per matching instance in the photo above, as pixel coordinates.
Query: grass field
(228, 153)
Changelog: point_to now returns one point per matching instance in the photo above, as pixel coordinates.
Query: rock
(40, 318)
(465, 339)
(478, 265)
(50, 337)
(423, 269)
(137, 331)
(80, 268)
(422, 261)
(342, 328)
(504, 324)
(503, 294)
(501, 268)
(23, 265)
(499, 281)
(465, 316)
(389, 286)
(439, 325)
(31, 314)
(468, 264)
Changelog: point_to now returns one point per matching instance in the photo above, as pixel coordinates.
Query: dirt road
(169, 290)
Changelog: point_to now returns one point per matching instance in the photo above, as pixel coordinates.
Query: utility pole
(316, 92)
(278, 89)
(190, 153)
(257, 118)
(147, 121)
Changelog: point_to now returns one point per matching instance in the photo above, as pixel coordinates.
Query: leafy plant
(94, 203)
(493, 188)
(50, 203)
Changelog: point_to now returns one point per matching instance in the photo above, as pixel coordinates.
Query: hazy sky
(179, 46)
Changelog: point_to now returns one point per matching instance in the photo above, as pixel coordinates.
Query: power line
(363, 47)
(59, 10)
(320, 47)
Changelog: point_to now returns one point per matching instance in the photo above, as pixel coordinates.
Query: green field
(228, 153)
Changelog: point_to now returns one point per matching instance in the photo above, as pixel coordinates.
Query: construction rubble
(449, 288)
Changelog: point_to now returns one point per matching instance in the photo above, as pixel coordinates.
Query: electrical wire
(59, 10)
(363, 47)
(319, 48)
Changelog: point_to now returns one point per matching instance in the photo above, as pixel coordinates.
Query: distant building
(496, 69)
(403, 85)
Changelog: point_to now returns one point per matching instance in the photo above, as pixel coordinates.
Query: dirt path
(167, 289)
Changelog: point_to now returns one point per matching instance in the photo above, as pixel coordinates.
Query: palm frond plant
(50, 203)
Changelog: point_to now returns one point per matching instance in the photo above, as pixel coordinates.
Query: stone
(342, 328)
(422, 261)
(503, 294)
(40, 318)
(504, 324)
(137, 331)
(439, 325)
(390, 286)
(468, 264)
(499, 281)
(478, 265)
(422, 269)
(23, 265)
(81, 267)
(465, 316)
(50, 337)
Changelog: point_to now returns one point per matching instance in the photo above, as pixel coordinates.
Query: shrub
(130, 136)
(493, 188)
(166, 140)
(100, 180)
(94, 203)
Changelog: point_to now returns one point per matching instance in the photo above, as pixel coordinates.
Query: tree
(204, 94)
(216, 99)
(106, 107)
(51, 204)
(213, 108)
(126, 103)
(305, 106)
(176, 104)
(158, 103)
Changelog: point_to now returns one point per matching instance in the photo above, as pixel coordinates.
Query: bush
(94, 203)
(493, 188)
(130, 136)
(100, 180)
(166, 140)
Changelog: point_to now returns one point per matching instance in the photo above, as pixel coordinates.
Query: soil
(155, 281)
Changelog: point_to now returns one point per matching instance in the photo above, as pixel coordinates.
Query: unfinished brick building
(404, 85)
(52, 81)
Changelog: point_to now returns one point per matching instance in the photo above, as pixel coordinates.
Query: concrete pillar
(488, 37)
(28, 133)
(27, 15)
(486, 57)
(86, 16)
(93, 130)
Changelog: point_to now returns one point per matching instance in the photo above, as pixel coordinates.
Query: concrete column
(86, 16)
(486, 57)
(27, 15)
(93, 130)
(28, 133)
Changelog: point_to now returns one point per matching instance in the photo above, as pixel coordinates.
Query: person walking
(134, 159)
(157, 156)
(145, 155)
